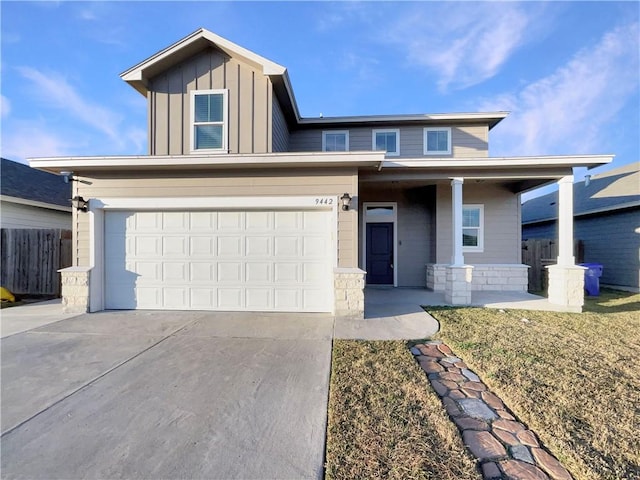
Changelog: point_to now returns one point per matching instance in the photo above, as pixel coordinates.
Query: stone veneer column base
(349, 292)
(566, 286)
(457, 289)
(75, 289)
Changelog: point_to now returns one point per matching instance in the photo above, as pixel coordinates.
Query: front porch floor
(389, 301)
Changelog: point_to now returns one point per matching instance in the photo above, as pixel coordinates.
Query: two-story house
(242, 204)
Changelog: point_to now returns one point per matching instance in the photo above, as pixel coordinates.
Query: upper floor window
(209, 129)
(472, 228)
(335, 141)
(387, 140)
(437, 141)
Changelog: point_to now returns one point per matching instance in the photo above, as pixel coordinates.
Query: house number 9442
(324, 201)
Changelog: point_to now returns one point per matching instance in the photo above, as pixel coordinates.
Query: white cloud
(568, 111)
(462, 43)
(33, 139)
(5, 107)
(56, 92)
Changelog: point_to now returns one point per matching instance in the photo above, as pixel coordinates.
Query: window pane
(437, 141)
(469, 237)
(208, 136)
(471, 217)
(335, 142)
(442, 142)
(386, 141)
(379, 210)
(208, 108)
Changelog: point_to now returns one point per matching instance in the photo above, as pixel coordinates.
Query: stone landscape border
(504, 447)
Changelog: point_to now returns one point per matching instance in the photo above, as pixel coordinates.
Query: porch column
(457, 258)
(457, 289)
(566, 279)
(565, 221)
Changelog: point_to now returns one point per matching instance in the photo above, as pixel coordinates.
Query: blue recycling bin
(592, 276)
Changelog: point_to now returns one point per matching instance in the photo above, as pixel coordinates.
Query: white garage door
(227, 260)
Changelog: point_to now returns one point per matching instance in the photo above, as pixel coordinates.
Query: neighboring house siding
(467, 141)
(229, 184)
(250, 96)
(612, 239)
(416, 233)
(501, 224)
(24, 216)
(280, 129)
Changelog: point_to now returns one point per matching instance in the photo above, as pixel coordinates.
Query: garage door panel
(175, 245)
(258, 272)
(202, 246)
(230, 298)
(287, 246)
(287, 299)
(230, 246)
(145, 246)
(202, 221)
(175, 220)
(259, 221)
(230, 260)
(287, 221)
(175, 272)
(203, 272)
(229, 272)
(259, 299)
(230, 221)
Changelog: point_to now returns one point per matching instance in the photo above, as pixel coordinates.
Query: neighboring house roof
(20, 181)
(139, 76)
(612, 190)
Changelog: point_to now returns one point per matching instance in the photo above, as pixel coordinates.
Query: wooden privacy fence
(31, 259)
(540, 252)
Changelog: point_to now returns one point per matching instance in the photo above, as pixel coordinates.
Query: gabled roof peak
(139, 75)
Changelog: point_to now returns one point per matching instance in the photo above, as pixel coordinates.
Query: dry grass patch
(385, 421)
(573, 378)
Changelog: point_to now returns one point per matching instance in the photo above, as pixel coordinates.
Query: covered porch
(456, 224)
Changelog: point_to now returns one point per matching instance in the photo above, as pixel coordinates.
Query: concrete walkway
(32, 315)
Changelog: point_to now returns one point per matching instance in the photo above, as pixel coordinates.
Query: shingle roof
(611, 190)
(22, 181)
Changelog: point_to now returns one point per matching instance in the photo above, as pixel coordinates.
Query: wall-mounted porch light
(80, 203)
(346, 200)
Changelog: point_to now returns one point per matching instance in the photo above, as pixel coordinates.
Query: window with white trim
(473, 228)
(386, 140)
(335, 141)
(437, 141)
(209, 125)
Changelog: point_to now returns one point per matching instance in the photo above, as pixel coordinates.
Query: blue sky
(567, 71)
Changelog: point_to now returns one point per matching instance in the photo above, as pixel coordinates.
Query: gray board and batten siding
(250, 98)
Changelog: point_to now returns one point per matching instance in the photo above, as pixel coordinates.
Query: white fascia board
(34, 203)
(543, 161)
(291, 160)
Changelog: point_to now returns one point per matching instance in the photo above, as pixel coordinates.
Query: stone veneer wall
(500, 277)
(349, 292)
(566, 286)
(75, 289)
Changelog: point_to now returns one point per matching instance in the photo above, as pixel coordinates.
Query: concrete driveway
(167, 395)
